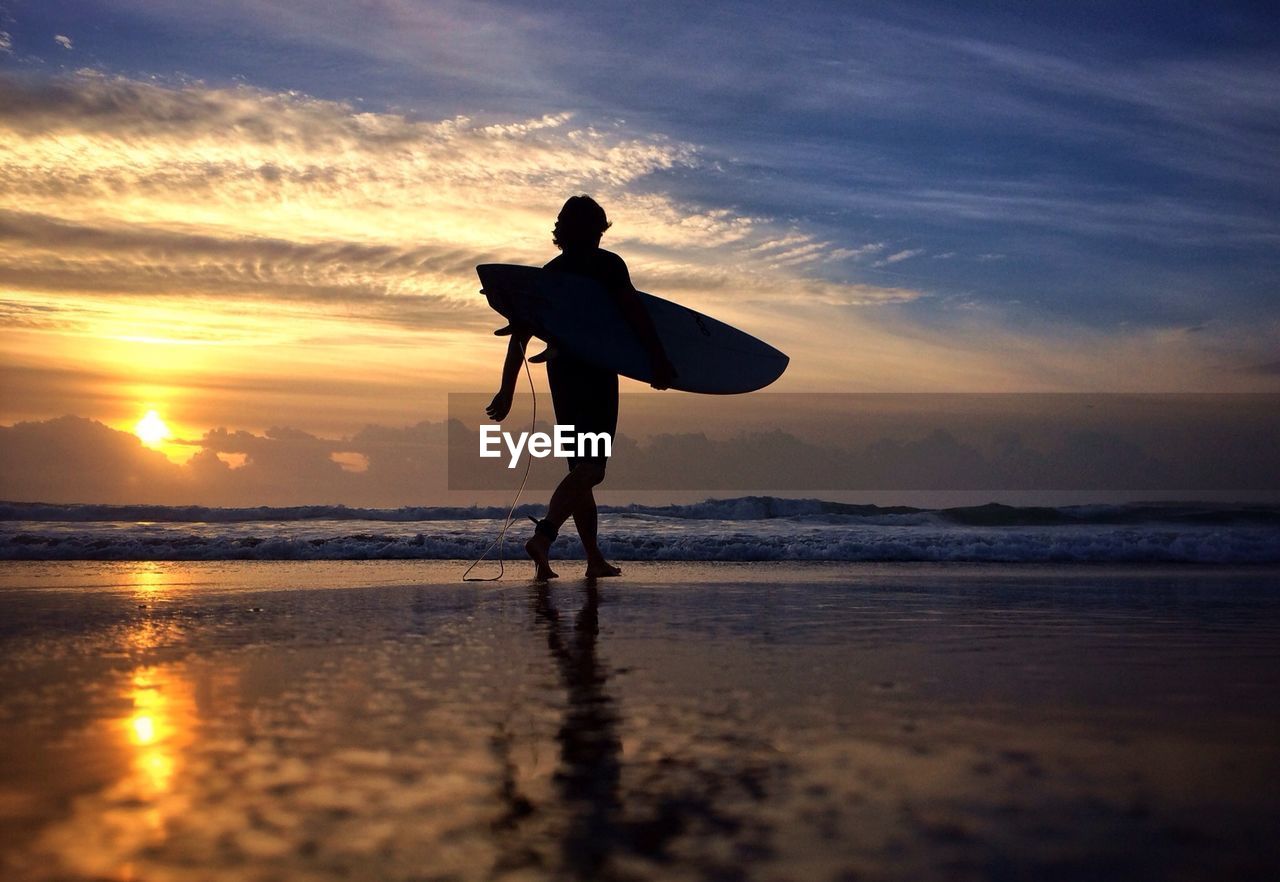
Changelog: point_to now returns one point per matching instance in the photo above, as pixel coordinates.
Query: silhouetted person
(584, 396)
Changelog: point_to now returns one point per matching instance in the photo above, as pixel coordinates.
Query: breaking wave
(758, 528)
(745, 508)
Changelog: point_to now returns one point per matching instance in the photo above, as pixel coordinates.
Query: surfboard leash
(501, 541)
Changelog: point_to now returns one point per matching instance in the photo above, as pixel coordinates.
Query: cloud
(1198, 115)
(240, 193)
(72, 459)
(983, 126)
(831, 443)
(63, 41)
(1269, 368)
(320, 256)
(857, 253)
(6, 42)
(899, 256)
(163, 234)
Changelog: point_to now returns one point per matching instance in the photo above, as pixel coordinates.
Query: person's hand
(664, 372)
(500, 406)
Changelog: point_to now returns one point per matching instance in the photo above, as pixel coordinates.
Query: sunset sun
(152, 429)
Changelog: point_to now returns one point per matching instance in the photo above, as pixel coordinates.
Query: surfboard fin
(504, 332)
(545, 355)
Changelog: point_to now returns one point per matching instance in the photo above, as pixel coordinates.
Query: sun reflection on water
(147, 578)
(151, 742)
(158, 728)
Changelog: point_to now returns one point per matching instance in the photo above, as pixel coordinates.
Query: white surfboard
(576, 314)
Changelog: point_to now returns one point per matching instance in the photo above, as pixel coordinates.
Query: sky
(259, 216)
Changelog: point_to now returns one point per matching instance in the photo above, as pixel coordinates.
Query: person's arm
(500, 406)
(628, 299)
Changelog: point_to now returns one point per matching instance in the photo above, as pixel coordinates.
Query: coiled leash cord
(501, 541)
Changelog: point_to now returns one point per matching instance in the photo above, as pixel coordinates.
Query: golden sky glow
(240, 258)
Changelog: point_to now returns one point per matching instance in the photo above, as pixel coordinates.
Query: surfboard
(576, 314)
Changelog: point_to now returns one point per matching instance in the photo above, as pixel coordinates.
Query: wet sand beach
(381, 720)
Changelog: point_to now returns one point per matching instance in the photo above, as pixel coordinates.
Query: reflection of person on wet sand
(586, 813)
(590, 749)
(584, 396)
(593, 825)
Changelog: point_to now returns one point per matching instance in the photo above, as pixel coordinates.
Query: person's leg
(603, 418)
(565, 501)
(573, 497)
(564, 377)
(586, 518)
(585, 397)
(573, 493)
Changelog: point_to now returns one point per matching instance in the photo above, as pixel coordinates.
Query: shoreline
(324, 720)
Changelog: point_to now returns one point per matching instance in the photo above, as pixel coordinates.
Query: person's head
(580, 224)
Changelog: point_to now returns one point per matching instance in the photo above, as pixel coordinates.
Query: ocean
(756, 528)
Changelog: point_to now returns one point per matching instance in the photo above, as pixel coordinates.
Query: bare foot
(602, 569)
(537, 548)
